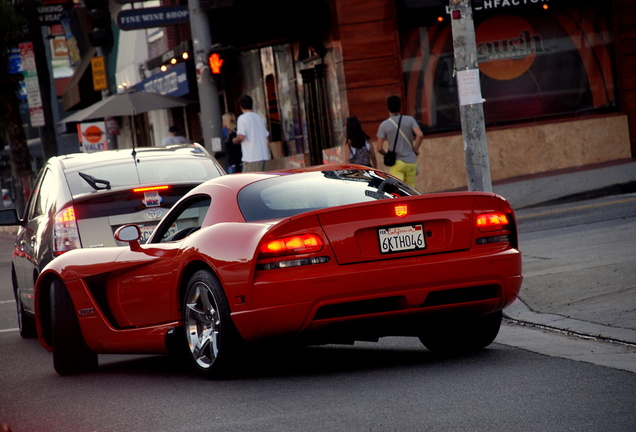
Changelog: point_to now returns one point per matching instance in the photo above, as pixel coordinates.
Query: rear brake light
(298, 244)
(401, 210)
(65, 232)
(151, 188)
(492, 222)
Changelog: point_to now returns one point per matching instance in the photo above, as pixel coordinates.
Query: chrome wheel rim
(202, 325)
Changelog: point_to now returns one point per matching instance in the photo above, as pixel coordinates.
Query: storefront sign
(49, 11)
(486, 5)
(92, 136)
(497, 4)
(135, 19)
(173, 82)
(507, 47)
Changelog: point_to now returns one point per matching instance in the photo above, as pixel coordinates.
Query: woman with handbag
(404, 137)
(357, 149)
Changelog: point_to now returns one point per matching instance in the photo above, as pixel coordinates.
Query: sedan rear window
(285, 196)
(146, 172)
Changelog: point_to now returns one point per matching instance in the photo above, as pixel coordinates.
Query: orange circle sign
(93, 134)
(506, 47)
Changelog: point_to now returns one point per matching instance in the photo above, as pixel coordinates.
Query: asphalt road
(529, 380)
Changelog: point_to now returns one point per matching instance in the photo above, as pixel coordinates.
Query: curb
(520, 313)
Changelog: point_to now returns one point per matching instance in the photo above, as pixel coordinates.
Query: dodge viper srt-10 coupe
(327, 254)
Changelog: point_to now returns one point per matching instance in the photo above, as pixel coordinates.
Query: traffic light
(222, 61)
(215, 61)
(101, 34)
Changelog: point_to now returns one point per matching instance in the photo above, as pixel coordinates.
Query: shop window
(534, 63)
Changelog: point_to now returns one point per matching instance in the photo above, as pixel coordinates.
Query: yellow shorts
(404, 171)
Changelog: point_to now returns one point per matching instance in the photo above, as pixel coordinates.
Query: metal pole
(208, 93)
(470, 100)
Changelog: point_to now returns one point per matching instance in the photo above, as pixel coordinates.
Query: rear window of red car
(288, 195)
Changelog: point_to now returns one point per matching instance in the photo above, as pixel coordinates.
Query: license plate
(401, 238)
(147, 230)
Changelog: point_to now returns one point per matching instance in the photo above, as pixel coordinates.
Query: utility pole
(470, 101)
(208, 93)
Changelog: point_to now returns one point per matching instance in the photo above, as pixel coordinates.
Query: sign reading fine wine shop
(135, 19)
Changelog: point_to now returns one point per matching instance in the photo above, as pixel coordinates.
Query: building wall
(371, 64)
(371, 70)
(525, 150)
(625, 30)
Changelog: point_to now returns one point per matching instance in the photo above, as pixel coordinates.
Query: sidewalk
(586, 287)
(570, 184)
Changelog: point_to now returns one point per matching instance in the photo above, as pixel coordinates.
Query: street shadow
(274, 361)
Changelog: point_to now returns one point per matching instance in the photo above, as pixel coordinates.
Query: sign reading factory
(495, 4)
(135, 19)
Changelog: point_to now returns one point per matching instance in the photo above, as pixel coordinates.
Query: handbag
(390, 156)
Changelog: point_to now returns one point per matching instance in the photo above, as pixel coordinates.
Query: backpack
(362, 156)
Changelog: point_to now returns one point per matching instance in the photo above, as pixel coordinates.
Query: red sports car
(328, 254)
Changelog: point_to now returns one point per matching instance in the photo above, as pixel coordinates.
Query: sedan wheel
(208, 328)
(70, 353)
(456, 335)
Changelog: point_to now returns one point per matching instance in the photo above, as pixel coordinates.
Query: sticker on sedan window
(152, 199)
(401, 238)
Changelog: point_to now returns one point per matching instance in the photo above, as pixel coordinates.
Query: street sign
(163, 16)
(99, 73)
(92, 136)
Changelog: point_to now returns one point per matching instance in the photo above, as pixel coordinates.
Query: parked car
(328, 254)
(80, 199)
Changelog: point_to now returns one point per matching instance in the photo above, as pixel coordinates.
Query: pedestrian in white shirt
(253, 136)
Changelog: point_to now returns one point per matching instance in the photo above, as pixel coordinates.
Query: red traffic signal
(215, 61)
(222, 60)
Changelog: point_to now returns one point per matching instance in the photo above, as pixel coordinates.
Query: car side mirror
(129, 234)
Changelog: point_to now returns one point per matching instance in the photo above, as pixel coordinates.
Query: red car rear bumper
(294, 301)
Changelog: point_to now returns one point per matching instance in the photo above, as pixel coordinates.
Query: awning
(80, 93)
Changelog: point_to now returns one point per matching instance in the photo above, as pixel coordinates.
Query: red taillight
(151, 188)
(65, 232)
(492, 222)
(298, 244)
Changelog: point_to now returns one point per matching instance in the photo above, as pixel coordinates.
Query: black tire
(70, 353)
(210, 336)
(26, 322)
(454, 335)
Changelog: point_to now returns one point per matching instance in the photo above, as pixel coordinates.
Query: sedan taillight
(65, 232)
